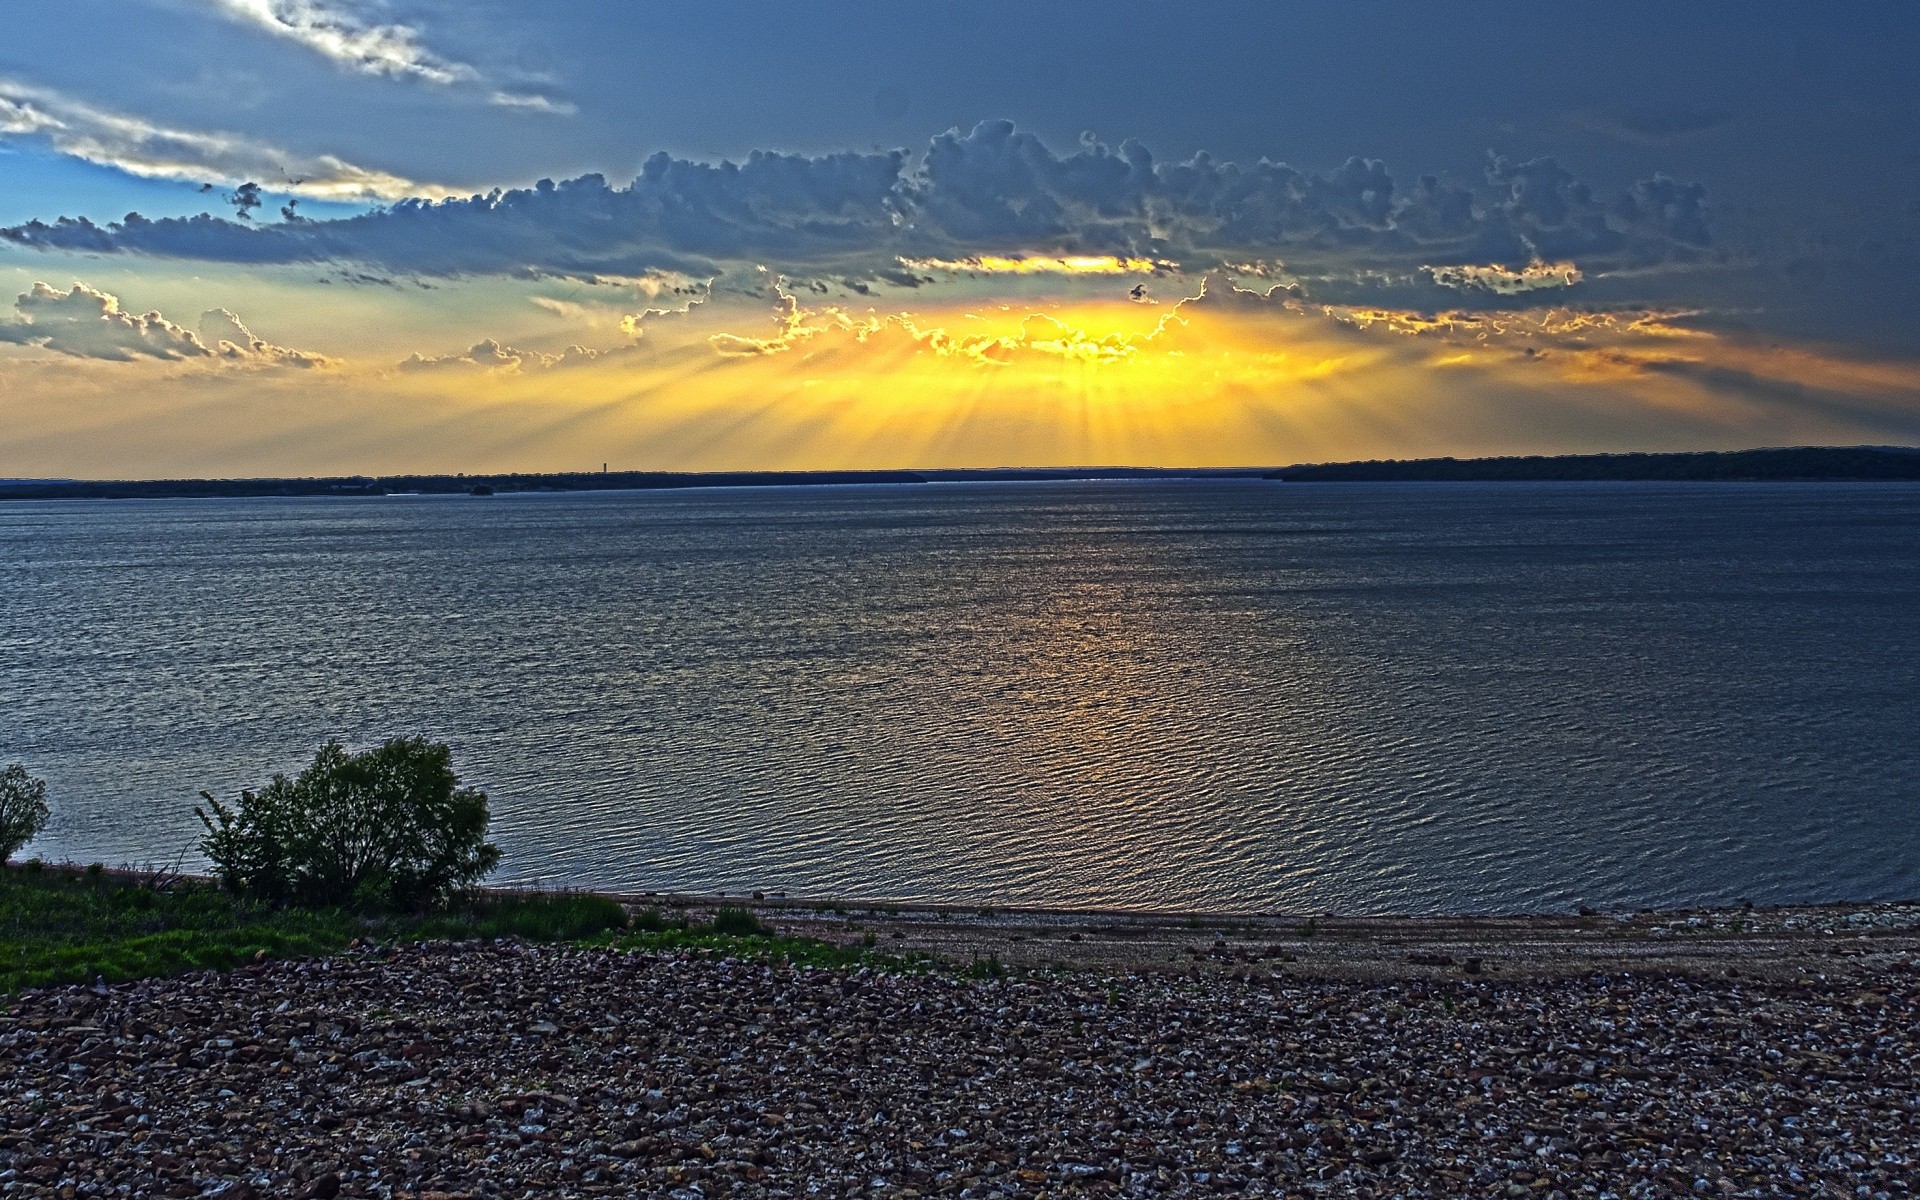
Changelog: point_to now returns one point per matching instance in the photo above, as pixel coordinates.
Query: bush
(385, 828)
(739, 922)
(23, 809)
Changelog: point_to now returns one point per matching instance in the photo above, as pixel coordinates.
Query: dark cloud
(1666, 208)
(852, 218)
(245, 199)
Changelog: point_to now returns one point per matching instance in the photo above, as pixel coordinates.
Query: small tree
(23, 809)
(389, 827)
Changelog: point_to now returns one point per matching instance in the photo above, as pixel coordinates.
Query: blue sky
(1746, 174)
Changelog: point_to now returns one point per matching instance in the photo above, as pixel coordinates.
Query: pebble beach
(501, 1069)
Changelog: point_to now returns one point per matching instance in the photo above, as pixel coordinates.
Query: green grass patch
(62, 925)
(65, 925)
(537, 917)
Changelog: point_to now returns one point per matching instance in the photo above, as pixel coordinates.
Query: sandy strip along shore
(1777, 943)
(1580, 1059)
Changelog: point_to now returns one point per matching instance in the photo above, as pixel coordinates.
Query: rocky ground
(506, 1070)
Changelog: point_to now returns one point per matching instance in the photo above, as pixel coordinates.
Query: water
(1207, 695)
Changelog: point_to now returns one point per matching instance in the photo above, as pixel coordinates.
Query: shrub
(651, 920)
(23, 809)
(385, 828)
(739, 922)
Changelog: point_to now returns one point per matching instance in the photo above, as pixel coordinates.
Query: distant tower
(603, 468)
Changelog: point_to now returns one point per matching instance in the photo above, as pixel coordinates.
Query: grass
(61, 925)
(737, 933)
(66, 925)
(738, 922)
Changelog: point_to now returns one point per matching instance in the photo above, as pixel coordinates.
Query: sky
(318, 237)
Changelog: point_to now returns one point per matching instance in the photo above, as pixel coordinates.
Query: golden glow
(1232, 377)
(1076, 264)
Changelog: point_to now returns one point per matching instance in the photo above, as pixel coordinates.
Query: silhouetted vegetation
(23, 809)
(472, 485)
(383, 829)
(573, 481)
(1808, 463)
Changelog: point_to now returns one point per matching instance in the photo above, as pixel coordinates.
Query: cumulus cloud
(995, 200)
(141, 147)
(85, 322)
(491, 355)
(343, 34)
(231, 339)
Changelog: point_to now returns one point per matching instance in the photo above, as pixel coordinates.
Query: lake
(1213, 695)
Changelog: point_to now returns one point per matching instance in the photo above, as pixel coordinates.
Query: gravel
(502, 1069)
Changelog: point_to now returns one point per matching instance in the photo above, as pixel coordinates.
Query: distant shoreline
(575, 481)
(1801, 464)
(1805, 464)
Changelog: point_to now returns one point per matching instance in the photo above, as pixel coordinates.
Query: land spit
(502, 1069)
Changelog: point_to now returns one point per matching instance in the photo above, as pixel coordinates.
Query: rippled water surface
(1219, 695)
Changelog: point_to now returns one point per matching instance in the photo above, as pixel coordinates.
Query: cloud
(533, 102)
(231, 339)
(1040, 264)
(339, 33)
(1655, 124)
(490, 355)
(992, 201)
(566, 310)
(85, 322)
(1505, 281)
(1267, 323)
(677, 217)
(141, 147)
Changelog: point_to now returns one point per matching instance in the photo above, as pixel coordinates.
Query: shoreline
(1775, 942)
(1795, 464)
(1766, 1052)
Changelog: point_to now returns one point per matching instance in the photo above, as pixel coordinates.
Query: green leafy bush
(23, 809)
(386, 828)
